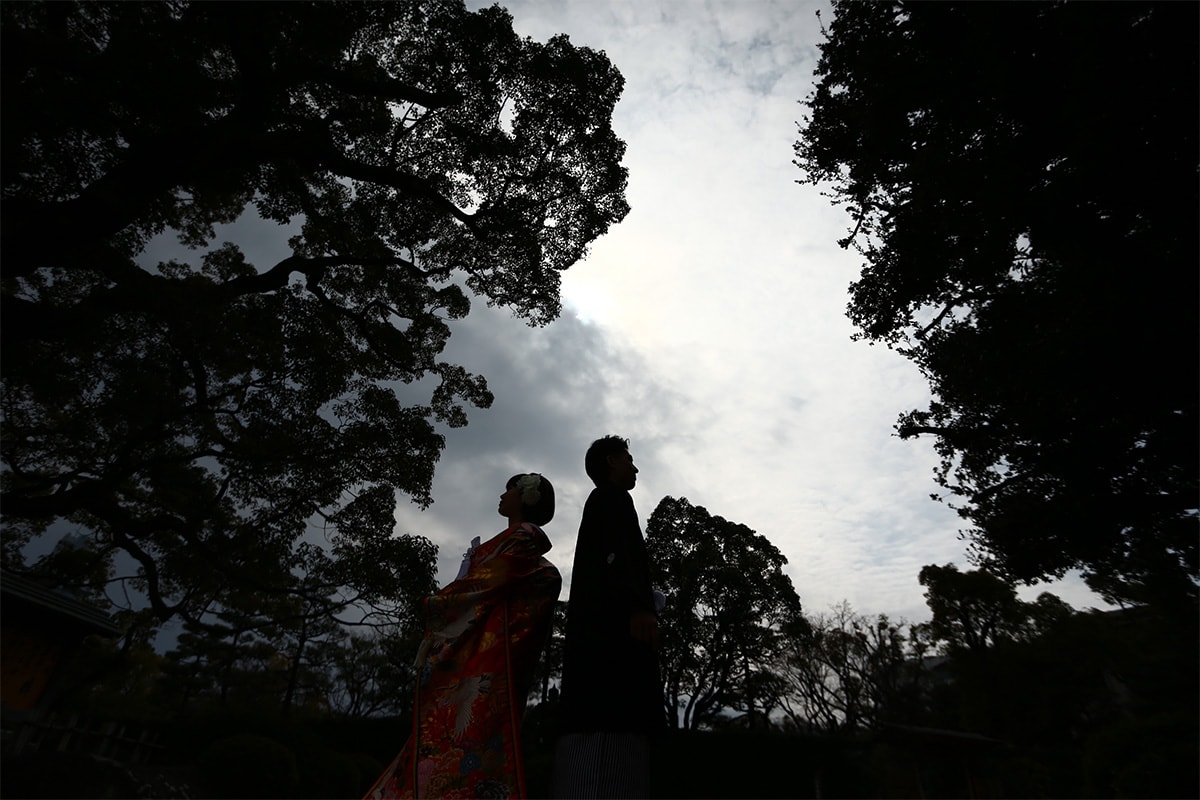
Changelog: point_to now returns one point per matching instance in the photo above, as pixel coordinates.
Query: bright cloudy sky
(708, 327)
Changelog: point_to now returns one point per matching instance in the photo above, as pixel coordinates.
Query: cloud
(724, 294)
(557, 389)
(709, 328)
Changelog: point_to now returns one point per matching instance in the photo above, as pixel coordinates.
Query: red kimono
(484, 634)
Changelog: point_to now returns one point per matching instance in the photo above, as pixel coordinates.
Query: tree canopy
(973, 610)
(850, 672)
(730, 612)
(1022, 181)
(199, 416)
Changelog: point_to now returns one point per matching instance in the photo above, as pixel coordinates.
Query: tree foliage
(730, 610)
(850, 672)
(1022, 184)
(973, 610)
(1100, 703)
(371, 674)
(299, 662)
(198, 416)
(549, 666)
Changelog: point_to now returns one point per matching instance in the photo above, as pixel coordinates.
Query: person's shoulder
(609, 494)
(526, 538)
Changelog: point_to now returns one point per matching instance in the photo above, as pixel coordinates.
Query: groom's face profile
(621, 470)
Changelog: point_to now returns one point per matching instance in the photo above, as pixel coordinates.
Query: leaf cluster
(850, 672)
(207, 417)
(730, 610)
(1022, 183)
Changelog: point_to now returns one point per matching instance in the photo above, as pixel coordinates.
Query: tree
(849, 672)
(372, 673)
(229, 664)
(971, 610)
(1108, 696)
(730, 610)
(549, 666)
(197, 416)
(1022, 184)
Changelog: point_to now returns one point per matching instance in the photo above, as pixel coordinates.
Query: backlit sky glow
(708, 327)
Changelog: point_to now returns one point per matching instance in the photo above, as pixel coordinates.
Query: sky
(708, 328)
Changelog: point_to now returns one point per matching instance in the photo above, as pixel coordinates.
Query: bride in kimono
(484, 633)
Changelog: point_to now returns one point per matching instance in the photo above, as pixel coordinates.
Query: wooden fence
(73, 733)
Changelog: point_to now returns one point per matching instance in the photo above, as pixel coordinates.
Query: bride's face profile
(510, 502)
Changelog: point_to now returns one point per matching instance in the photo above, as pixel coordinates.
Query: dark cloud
(557, 389)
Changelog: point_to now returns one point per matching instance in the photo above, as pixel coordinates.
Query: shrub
(248, 765)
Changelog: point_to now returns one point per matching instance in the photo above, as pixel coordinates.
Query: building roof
(14, 586)
(937, 736)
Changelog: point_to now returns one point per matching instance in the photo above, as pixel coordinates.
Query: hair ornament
(528, 484)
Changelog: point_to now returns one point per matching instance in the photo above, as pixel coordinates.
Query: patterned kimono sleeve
(497, 571)
(484, 635)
